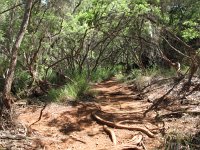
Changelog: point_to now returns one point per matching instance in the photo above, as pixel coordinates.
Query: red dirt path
(70, 127)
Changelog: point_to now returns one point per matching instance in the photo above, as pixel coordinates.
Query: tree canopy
(80, 36)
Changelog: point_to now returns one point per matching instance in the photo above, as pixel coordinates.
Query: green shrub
(136, 73)
(120, 77)
(142, 78)
(102, 74)
(54, 95)
(79, 87)
(152, 72)
(21, 81)
(72, 91)
(51, 77)
(58, 95)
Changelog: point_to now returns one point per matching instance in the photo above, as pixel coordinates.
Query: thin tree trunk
(9, 77)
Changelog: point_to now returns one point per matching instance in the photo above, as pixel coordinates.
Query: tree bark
(10, 75)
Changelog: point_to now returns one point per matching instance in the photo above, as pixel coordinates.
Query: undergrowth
(141, 78)
(79, 83)
(102, 74)
(72, 91)
(79, 87)
(179, 141)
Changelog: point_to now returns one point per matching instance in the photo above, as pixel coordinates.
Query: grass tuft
(176, 140)
(71, 91)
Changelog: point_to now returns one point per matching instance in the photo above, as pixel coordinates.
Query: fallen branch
(111, 133)
(158, 101)
(120, 126)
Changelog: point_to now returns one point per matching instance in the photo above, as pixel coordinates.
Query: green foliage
(142, 78)
(21, 81)
(80, 86)
(120, 77)
(95, 35)
(184, 18)
(71, 91)
(57, 95)
(51, 77)
(136, 73)
(158, 71)
(1, 36)
(191, 32)
(102, 74)
(167, 72)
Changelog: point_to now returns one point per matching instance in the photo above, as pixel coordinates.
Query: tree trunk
(9, 77)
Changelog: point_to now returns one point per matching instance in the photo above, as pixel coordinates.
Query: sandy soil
(70, 126)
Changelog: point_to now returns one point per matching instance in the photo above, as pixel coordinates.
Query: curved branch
(76, 7)
(13, 7)
(175, 48)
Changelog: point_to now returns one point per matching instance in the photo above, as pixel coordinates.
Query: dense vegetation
(56, 47)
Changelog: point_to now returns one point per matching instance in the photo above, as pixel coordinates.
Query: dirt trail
(70, 127)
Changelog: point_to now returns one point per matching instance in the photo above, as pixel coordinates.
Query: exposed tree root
(13, 137)
(144, 147)
(126, 121)
(130, 147)
(137, 139)
(39, 116)
(120, 126)
(111, 133)
(125, 147)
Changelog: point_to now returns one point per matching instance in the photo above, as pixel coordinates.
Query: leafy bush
(21, 81)
(136, 73)
(79, 87)
(167, 72)
(152, 72)
(102, 74)
(144, 78)
(51, 76)
(72, 91)
(120, 77)
(56, 95)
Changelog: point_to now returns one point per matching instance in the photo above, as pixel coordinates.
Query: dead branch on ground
(158, 101)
